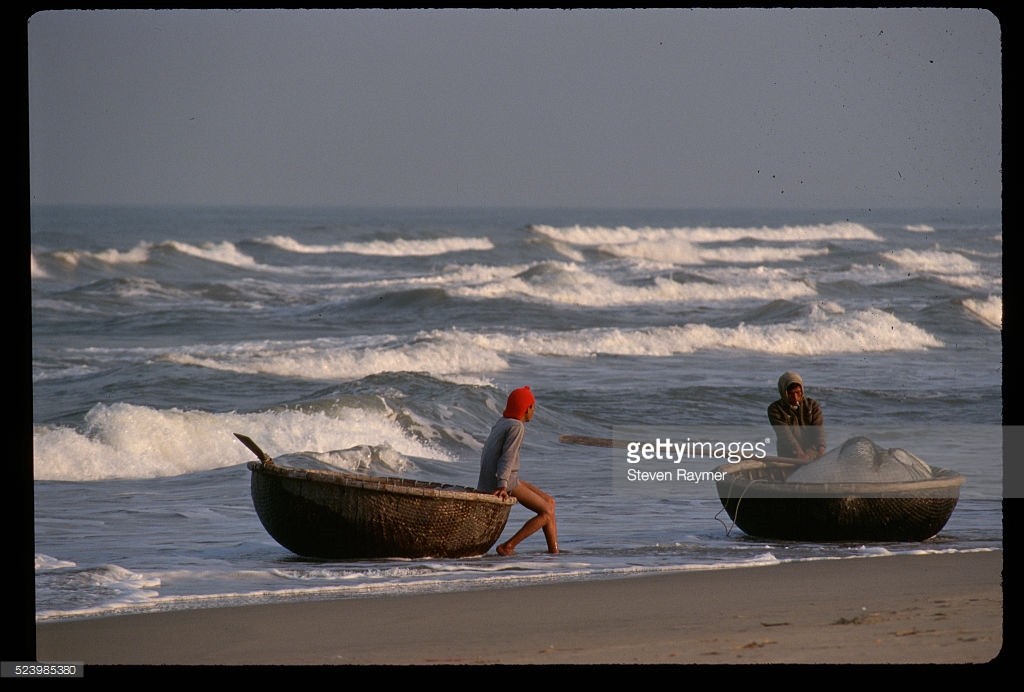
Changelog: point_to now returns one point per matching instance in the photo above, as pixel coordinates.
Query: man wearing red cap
(499, 471)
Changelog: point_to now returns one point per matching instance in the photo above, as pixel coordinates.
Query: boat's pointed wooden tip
(254, 448)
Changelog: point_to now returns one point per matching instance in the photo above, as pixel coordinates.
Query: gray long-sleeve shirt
(499, 461)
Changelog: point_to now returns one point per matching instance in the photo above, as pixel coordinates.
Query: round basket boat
(333, 514)
(762, 503)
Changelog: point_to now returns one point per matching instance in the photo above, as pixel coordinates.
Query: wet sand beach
(937, 608)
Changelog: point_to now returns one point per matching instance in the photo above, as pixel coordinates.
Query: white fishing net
(859, 460)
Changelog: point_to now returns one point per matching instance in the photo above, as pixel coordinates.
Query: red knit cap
(518, 401)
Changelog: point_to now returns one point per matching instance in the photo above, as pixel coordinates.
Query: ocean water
(386, 340)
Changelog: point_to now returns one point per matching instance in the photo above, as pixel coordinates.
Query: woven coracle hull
(334, 515)
(760, 502)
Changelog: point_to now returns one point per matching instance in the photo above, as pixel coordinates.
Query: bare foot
(503, 549)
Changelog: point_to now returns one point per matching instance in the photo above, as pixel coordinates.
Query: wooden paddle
(254, 448)
(609, 442)
(591, 441)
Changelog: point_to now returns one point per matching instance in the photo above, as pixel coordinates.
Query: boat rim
(941, 479)
(390, 484)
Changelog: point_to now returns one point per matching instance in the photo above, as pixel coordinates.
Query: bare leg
(535, 499)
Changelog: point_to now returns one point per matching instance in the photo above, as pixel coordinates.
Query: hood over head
(518, 401)
(789, 377)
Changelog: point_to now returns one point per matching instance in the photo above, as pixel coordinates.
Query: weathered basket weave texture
(332, 515)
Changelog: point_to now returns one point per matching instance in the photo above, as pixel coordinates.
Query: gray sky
(811, 108)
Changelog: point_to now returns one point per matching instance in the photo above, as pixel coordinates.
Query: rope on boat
(739, 500)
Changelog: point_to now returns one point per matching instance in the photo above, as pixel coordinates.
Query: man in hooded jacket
(798, 421)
